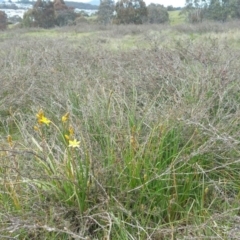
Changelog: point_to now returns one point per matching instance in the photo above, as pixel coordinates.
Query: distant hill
(81, 5)
(7, 5)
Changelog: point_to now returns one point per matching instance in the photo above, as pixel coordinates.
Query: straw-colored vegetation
(122, 132)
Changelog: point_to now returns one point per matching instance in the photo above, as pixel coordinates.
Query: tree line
(131, 12)
(217, 10)
(47, 14)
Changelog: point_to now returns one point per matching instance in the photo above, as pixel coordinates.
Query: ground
(120, 132)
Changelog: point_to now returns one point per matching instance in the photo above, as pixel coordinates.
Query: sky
(174, 3)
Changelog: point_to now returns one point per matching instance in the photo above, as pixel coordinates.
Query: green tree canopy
(63, 14)
(42, 15)
(219, 10)
(157, 13)
(47, 14)
(131, 11)
(194, 10)
(235, 8)
(105, 11)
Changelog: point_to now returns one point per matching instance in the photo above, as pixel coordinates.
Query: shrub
(3, 20)
(65, 17)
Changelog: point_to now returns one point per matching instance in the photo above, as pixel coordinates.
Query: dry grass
(157, 112)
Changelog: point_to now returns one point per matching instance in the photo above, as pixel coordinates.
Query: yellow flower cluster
(65, 117)
(41, 119)
(72, 142)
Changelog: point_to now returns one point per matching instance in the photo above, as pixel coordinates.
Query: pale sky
(175, 3)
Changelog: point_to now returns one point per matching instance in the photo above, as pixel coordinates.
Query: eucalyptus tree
(157, 13)
(195, 9)
(130, 11)
(219, 10)
(41, 15)
(106, 11)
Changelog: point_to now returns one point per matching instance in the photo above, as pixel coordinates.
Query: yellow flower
(67, 137)
(71, 131)
(40, 114)
(74, 143)
(41, 118)
(9, 140)
(65, 117)
(44, 120)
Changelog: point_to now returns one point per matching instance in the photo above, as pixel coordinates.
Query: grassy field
(120, 132)
(176, 18)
